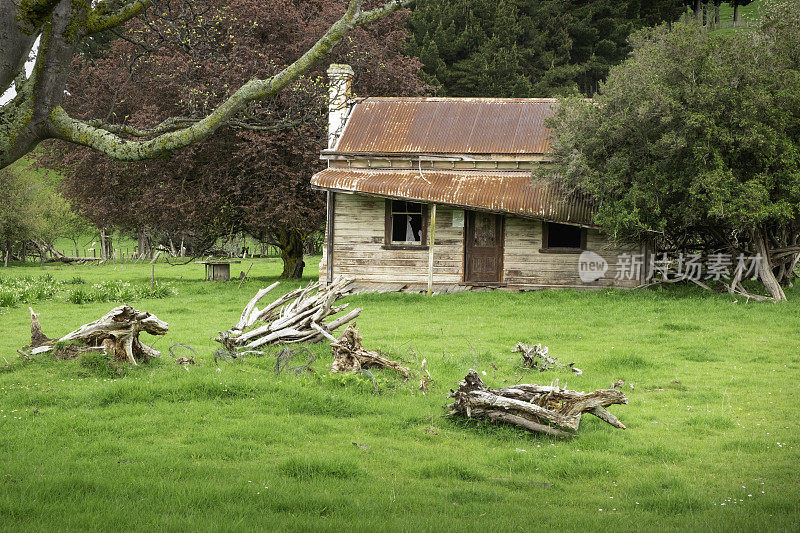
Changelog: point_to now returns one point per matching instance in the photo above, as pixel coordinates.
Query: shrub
(119, 291)
(27, 289)
(78, 296)
(7, 298)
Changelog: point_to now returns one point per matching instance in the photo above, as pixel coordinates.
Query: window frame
(388, 244)
(547, 249)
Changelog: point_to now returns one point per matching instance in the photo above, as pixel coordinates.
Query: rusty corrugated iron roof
(447, 126)
(511, 192)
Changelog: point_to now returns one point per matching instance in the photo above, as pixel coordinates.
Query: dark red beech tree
(253, 174)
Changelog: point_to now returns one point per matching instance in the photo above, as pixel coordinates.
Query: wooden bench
(217, 270)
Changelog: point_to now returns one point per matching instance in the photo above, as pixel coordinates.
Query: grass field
(712, 439)
(749, 13)
(749, 18)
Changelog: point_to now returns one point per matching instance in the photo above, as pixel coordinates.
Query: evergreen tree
(526, 47)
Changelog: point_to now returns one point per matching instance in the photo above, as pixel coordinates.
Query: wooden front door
(483, 247)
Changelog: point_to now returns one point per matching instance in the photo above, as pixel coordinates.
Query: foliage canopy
(253, 174)
(696, 138)
(523, 48)
(32, 210)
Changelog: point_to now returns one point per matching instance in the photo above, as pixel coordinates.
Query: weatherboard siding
(525, 266)
(359, 252)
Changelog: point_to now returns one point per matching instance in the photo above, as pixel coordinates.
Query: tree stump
(116, 334)
(349, 356)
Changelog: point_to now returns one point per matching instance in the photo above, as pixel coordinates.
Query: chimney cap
(340, 69)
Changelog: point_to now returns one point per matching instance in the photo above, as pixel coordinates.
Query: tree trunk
(103, 244)
(144, 245)
(291, 244)
(765, 272)
(8, 252)
(349, 356)
(110, 246)
(705, 14)
(790, 275)
(546, 409)
(716, 14)
(297, 316)
(737, 17)
(697, 7)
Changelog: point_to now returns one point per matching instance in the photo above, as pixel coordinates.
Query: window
(562, 238)
(405, 223)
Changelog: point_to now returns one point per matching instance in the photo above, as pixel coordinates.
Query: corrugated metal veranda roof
(511, 192)
(447, 126)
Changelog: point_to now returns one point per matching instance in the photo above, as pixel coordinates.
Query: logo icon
(591, 266)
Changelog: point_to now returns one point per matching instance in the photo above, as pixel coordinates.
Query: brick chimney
(339, 91)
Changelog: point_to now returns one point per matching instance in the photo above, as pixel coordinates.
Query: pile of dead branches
(294, 317)
(349, 356)
(536, 357)
(544, 409)
(115, 334)
(286, 356)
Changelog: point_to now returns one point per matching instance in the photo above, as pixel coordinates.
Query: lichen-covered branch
(36, 113)
(177, 123)
(83, 133)
(101, 18)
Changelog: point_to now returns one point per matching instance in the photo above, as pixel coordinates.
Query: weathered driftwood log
(297, 316)
(349, 356)
(46, 249)
(116, 333)
(536, 357)
(545, 409)
(78, 260)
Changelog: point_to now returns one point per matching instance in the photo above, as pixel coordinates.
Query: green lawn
(749, 15)
(749, 12)
(712, 439)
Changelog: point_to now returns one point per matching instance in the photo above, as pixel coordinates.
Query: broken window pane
(406, 222)
(563, 236)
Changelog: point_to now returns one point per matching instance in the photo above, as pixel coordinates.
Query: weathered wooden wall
(358, 248)
(359, 251)
(524, 265)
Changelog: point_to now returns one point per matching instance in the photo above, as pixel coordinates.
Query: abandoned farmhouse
(438, 193)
